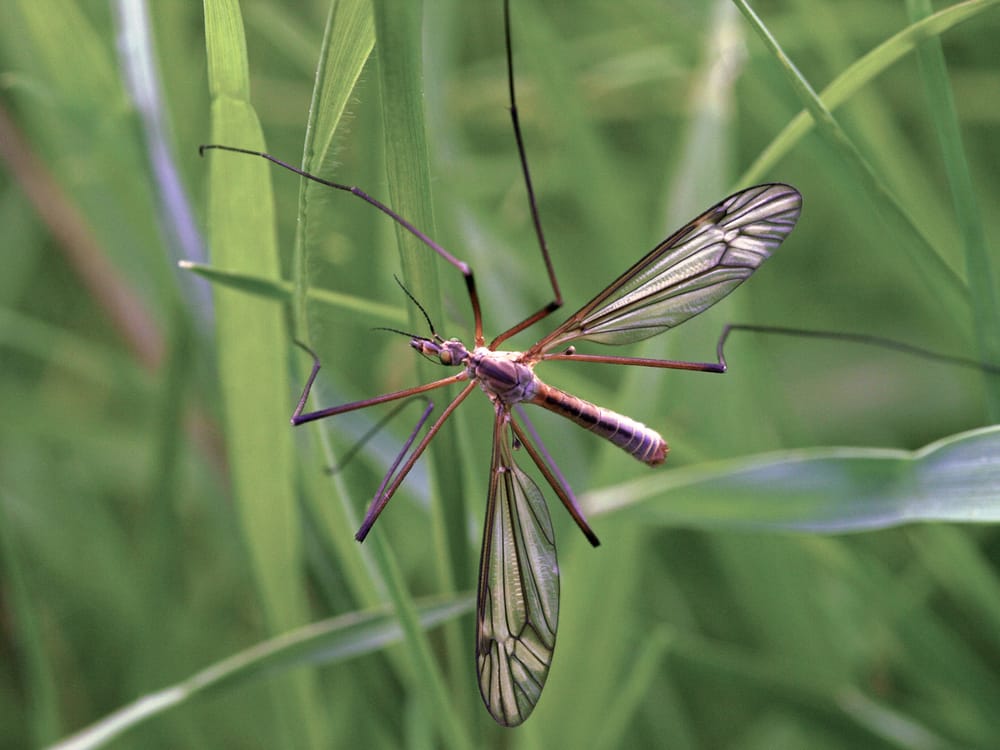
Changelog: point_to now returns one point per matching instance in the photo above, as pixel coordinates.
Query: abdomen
(633, 437)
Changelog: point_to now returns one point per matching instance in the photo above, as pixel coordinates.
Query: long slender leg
(857, 338)
(721, 365)
(562, 490)
(529, 426)
(389, 475)
(370, 433)
(669, 364)
(556, 303)
(462, 266)
(392, 478)
(299, 418)
(382, 498)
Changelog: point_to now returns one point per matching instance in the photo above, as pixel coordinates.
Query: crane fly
(517, 607)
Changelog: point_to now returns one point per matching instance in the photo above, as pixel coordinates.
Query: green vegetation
(168, 541)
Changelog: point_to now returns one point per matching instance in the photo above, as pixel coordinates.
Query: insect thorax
(502, 376)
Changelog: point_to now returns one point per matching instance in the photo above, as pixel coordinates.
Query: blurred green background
(158, 514)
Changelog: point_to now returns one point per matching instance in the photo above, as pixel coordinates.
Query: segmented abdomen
(633, 437)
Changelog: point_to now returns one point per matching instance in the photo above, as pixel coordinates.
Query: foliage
(158, 515)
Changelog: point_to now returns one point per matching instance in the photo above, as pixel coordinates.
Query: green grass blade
(948, 287)
(826, 490)
(978, 266)
(252, 368)
(894, 727)
(282, 291)
(858, 75)
(408, 174)
(348, 39)
(347, 42)
(426, 678)
(346, 45)
(241, 230)
(328, 641)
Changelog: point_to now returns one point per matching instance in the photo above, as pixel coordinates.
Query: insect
(517, 608)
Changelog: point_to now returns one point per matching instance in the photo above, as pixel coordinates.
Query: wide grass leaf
(827, 490)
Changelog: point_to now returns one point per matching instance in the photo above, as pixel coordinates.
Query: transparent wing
(518, 607)
(687, 272)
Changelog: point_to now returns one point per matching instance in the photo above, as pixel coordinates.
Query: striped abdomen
(633, 437)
